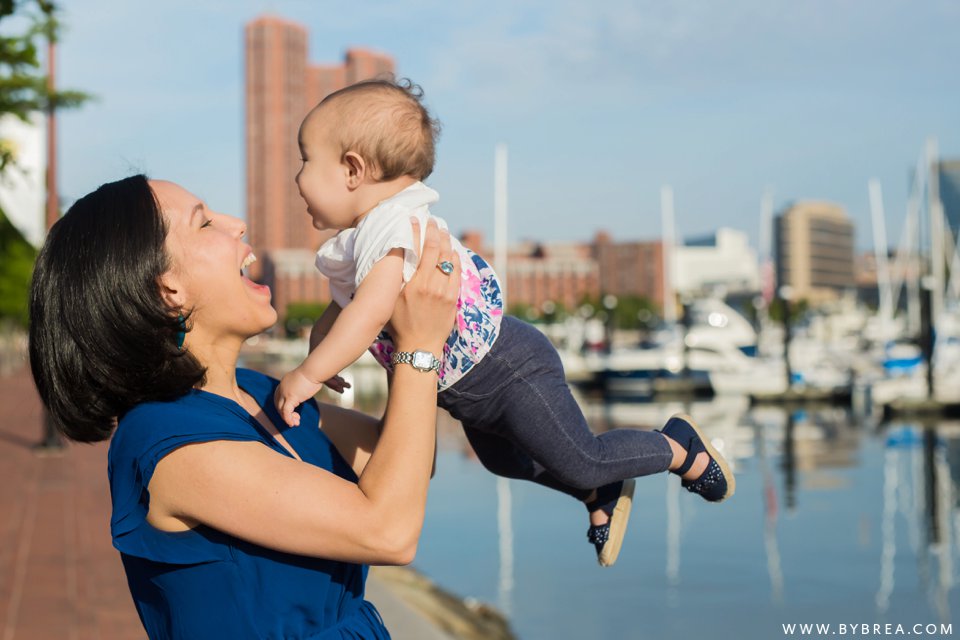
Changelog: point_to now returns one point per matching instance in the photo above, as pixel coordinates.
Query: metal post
(51, 443)
(53, 206)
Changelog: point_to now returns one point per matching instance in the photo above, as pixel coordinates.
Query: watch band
(419, 360)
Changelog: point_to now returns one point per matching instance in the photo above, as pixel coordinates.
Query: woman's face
(207, 255)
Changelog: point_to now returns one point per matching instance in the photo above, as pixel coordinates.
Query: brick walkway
(59, 575)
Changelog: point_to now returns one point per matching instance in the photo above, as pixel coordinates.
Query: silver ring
(446, 267)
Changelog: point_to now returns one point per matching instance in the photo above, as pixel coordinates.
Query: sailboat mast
(504, 499)
(914, 254)
(884, 286)
(767, 277)
(500, 217)
(669, 242)
(937, 257)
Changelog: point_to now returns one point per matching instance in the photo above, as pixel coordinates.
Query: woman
(229, 524)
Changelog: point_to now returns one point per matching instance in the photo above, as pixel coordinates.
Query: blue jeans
(522, 421)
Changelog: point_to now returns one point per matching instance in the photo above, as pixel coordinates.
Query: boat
(717, 340)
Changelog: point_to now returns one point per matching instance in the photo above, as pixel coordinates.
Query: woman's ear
(355, 169)
(170, 291)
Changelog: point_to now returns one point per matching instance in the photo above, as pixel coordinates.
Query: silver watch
(419, 360)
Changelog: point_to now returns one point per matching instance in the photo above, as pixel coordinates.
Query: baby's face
(323, 178)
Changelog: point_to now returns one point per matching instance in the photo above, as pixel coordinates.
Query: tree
(633, 311)
(23, 85)
(24, 89)
(16, 268)
(301, 315)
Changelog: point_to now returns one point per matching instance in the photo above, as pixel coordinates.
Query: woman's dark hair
(102, 339)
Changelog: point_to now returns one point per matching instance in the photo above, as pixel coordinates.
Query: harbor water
(835, 521)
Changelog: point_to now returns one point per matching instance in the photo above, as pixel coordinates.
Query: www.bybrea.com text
(862, 629)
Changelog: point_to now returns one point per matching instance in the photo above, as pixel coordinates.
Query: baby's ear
(355, 169)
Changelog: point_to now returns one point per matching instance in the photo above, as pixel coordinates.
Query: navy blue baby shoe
(616, 500)
(716, 483)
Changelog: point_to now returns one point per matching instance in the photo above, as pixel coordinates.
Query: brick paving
(59, 575)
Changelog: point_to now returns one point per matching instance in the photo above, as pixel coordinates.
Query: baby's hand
(337, 384)
(294, 389)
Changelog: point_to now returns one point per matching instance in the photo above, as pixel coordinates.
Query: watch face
(422, 360)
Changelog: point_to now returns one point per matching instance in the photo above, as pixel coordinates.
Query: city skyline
(610, 102)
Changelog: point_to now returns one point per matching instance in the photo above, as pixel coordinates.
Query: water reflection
(836, 519)
(920, 475)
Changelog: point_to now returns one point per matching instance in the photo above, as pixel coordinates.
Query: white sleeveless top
(348, 257)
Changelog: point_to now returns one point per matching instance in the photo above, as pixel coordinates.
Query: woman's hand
(425, 311)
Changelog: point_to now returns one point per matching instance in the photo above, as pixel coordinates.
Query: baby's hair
(385, 122)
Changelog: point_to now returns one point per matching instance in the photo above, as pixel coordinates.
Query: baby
(366, 150)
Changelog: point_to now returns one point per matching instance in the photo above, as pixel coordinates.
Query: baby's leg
(540, 415)
(503, 458)
(518, 392)
(523, 422)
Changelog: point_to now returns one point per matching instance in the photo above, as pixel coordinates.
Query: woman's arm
(355, 329)
(354, 434)
(250, 491)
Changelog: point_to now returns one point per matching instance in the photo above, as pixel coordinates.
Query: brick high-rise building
(281, 88)
(276, 57)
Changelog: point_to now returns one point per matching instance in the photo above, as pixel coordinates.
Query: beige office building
(814, 251)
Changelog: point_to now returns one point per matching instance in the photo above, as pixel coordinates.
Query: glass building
(948, 178)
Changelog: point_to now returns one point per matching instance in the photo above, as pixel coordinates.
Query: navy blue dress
(203, 583)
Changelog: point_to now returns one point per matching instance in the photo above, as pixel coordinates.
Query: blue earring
(182, 333)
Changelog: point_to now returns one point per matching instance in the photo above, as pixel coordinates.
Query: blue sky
(600, 103)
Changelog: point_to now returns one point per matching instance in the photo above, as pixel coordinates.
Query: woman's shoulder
(152, 429)
(197, 413)
(178, 413)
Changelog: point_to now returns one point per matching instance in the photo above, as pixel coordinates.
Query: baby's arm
(319, 331)
(355, 329)
(323, 324)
